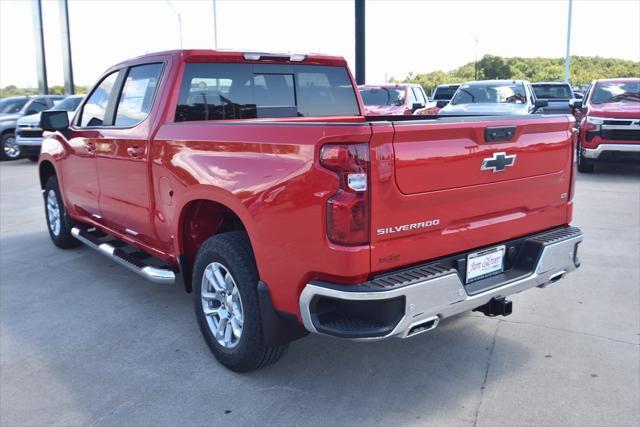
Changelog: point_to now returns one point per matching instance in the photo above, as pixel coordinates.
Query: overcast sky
(402, 36)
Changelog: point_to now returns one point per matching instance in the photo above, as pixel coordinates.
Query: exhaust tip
(427, 325)
(555, 278)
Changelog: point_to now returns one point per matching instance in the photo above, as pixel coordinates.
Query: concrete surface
(83, 341)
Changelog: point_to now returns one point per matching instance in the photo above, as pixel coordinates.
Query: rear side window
(137, 94)
(216, 91)
(95, 109)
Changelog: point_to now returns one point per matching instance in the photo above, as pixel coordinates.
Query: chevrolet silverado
(256, 180)
(610, 123)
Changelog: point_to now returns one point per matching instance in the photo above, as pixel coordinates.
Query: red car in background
(392, 99)
(610, 123)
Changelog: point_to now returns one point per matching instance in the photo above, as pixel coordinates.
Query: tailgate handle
(499, 133)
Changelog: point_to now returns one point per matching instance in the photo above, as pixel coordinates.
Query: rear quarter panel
(267, 173)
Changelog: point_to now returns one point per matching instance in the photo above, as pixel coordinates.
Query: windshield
(382, 95)
(492, 93)
(12, 105)
(610, 92)
(552, 91)
(444, 93)
(68, 104)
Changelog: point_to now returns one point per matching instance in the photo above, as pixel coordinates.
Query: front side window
(37, 105)
(382, 95)
(611, 92)
(419, 95)
(95, 109)
(493, 93)
(68, 104)
(218, 91)
(137, 94)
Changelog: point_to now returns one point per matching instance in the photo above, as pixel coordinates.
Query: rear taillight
(575, 135)
(348, 208)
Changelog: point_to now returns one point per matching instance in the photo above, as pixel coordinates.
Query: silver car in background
(29, 134)
(493, 98)
(11, 109)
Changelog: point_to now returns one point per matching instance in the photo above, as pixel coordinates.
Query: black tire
(9, 139)
(233, 251)
(584, 166)
(63, 238)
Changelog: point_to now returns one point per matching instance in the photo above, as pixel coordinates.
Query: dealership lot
(84, 341)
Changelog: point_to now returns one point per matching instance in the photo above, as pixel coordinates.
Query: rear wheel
(58, 222)
(225, 298)
(10, 148)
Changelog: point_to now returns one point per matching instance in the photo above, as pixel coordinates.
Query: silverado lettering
(256, 181)
(407, 227)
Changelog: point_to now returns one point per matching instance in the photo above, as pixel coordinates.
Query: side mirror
(417, 106)
(541, 103)
(575, 103)
(441, 103)
(54, 120)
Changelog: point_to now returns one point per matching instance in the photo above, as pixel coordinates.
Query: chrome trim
(445, 296)
(29, 142)
(160, 276)
(594, 153)
(620, 127)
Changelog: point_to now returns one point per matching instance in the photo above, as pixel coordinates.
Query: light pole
(567, 59)
(179, 21)
(215, 26)
(475, 67)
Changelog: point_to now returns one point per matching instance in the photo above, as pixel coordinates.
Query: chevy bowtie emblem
(499, 162)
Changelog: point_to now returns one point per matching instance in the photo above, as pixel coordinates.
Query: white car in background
(29, 134)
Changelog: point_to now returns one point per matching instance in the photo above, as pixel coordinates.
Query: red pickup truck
(256, 180)
(610, 123)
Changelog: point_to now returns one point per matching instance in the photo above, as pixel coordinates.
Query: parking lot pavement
(83, 341)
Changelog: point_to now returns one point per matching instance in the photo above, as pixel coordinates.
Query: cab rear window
(218, 91)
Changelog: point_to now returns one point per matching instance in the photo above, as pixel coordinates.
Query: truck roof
(551, 83)
(619, 79)
(206, 55)
(484, 82)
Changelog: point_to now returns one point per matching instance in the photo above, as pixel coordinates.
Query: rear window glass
(552, 91)
(249, 91)
(444, 93)
(492, 93)
(382, 95)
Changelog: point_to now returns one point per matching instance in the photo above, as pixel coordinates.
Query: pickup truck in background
(392, 99)
(11, 109)
(557, 94)
(257, 180)
(494, 98)
(29, 134)
(610, 123)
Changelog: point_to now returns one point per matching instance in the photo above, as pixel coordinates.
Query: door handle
(135, 151)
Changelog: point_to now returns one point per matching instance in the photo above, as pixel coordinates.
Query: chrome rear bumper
(441, 294)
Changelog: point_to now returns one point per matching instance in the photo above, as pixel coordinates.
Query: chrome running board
(158, 275)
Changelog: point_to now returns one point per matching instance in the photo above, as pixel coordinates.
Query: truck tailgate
(450, 185)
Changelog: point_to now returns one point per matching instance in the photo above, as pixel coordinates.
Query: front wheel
(10, 148)
(225, 298)
(58, 222)
(584, 165)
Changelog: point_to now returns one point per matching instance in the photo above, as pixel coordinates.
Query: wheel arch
(45, 171)
(199, 219)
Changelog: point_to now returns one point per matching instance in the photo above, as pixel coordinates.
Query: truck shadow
(103, 346)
